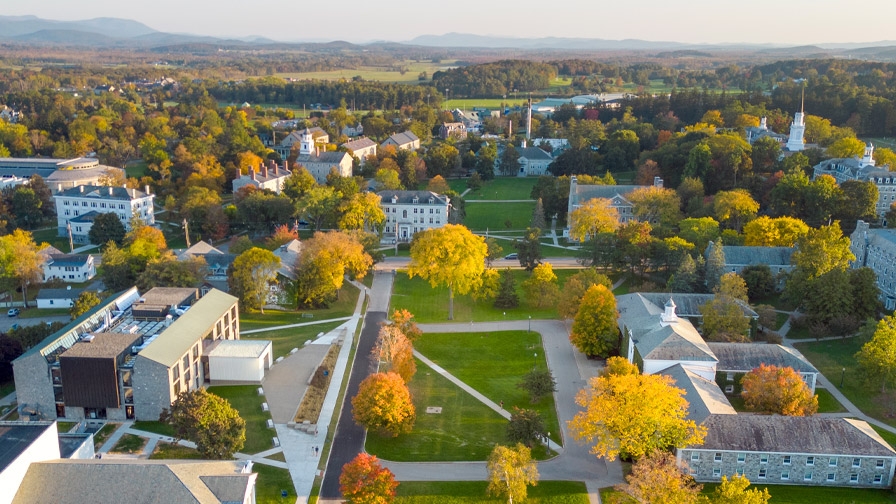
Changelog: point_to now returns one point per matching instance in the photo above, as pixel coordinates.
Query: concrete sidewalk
(301, 324)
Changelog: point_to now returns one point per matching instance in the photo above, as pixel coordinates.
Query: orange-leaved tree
(394, 352)
(780, 390)
(383, 404)
(365, 481)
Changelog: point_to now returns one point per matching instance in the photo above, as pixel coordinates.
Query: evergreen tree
(529, 249)
(507, 296)
(715, 264)
(538, 220)
(685, 279)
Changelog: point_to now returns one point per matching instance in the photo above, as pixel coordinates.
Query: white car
(13, 312)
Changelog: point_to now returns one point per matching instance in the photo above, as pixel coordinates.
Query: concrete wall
(45, 447)
(34, 389)
(152, 389)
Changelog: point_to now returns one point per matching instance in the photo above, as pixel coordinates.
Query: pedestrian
(502, 404)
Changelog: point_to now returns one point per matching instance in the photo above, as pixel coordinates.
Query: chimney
(146, 189)
(110, 190)
(657, 182)
(285, 165)
(274, 167)
(264, 171)
(252, 173)
(81, 188)
(58, 187)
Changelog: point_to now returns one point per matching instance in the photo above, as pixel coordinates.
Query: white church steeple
(797, 129)
(669, 316)
(307, 142)
(868, 159)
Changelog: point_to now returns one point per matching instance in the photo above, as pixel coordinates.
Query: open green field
(473, 492)
(344, 306)
(797, 494)
(466, 430)
(490, 103)
(831, 358)
(507, 355)
(246, 400)
(431, 304)
(136, 168)
(503, 188)
(377, 73)
(499, 216)
(295, 337)
(271, 482)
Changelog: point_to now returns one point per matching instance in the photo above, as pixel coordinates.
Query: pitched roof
(75, 260)
(748, 356)
(704, 397)
(289, 253)
(787, 434)
(361, 143)
(773, 256)
(403, 138)
(135, 481)
(59, 293)
(202, 247)
(407, 197)
(688, 304)
(534, 153)
(103, 192)
(656, 340)
(588, 192)
(333, 157)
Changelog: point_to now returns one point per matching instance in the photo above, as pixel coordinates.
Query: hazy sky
(694, 21)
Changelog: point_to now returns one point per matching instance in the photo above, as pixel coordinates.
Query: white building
(60, 174)
(534, 161)
(361, 148)
(795, 141)
(58, 298)
(318, 163)
(79, 206)
(408, 212)
(239, 360)
(24, 443)
(73, 268)
(403, 141)
(284, 148)
(843, 169)
(756, 132)
(270, 177)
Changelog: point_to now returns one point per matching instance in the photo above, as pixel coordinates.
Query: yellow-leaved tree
(594, 217)
(510, 471)
(383, 404)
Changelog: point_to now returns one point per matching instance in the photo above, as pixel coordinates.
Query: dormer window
(432, 200)
(416, 200)
(394, 199)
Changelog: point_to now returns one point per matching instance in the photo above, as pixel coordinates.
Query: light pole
(530, 324)
(535, 362)
(842, 374)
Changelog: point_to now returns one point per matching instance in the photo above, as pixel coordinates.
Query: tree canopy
(209, 421)
(780, 390)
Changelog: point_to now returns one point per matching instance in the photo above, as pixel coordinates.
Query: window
(741, 458)
(729, 376)
(878, 479)
(807, 476)
(810, 461)
(786, 459)
(879, 464)
(763, 459)
(785, 475)
(739, 471)
(762, 473)
(832, 462)
(729, 389)
(717, 457)
(857, 462)
(717, 472)
(832, 476)
(854, 478)
(695, 456)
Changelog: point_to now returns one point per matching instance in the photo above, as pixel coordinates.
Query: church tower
(307, 143)
(797, 129)
(868, 159)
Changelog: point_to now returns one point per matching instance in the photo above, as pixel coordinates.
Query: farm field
(377, 73)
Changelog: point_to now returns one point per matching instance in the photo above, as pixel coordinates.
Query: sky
(789, 22)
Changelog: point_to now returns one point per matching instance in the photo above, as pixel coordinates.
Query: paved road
(7, 322)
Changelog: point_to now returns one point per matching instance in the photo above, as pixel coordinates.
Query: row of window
(93, 204)
(787, 459)
(422, 220)
(876, 479)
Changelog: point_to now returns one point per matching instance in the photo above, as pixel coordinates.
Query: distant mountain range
(126, 33)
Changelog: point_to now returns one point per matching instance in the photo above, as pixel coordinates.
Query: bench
(276, 441)
(270, 424)
(264, 407)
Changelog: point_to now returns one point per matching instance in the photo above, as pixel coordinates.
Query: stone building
(862, 169)
(876, 249)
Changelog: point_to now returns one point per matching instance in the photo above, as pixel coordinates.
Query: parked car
(512, 256)
(13, 312)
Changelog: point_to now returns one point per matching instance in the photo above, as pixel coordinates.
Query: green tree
(509, 163)
(541, 287)
(106, 227)
(878, 356)
(528, 249)
(84, 302)
(723, 317)
(441, 159)
(822, 250)
(846, 148)
(507, 296)
(450, 256)
(510, 471)
(526, 426)
(538, 383)
(485, 160)
(209, 421)
(26, 206)
(699, 231)
(735, 208)
(538, 221)
(388, 179)
(365, 481)
(495, 250)
(383, 404)
(686, 276)
(715, 265)
(594, 330)
(759, 280)
(251, 275)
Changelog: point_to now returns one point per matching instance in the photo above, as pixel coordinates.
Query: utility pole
(187, 232)
(71, 243)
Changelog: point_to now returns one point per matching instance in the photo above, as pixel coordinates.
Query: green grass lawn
(277, 456)
(827, 403)
(799, 494)
(271, 482)
(7, 387)
(496, 216)
(246, 400)
(344, 306)
(385, 73)
(129, 443)
(466, 355)
(50, 236)
(492, 103)
(63, 427)
(155, 426)
(286, 339)
(887, 435)
(501, 188)
(465, 430)
(831, 357)
(471, 492)
(137, 168)
(173, 451)
(42, 312)
(431, 304)
(780, 319)
(103, 434)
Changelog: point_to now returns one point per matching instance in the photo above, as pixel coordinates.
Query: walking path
(301, 324)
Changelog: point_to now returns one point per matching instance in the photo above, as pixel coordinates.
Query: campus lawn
(7, 387)
(471, 492)
(495, 216)
(103, 434)
(246, 400)
(465, 430)
(831, 358)
(501, 188)
(493, 364)
(827, 403)
(295, 337)
(431, 304)
(137, 168)
(49, 235)
(271, 482)
(129, 443)
(888, 436)
(798, 494)
(173, 451)
(155, 426)
(344, 306)
(65, 426)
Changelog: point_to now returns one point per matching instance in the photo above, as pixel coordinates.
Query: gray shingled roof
(688, 305)
(102, 192)
(359, 144)
(59, 293)
(324, 157)
(534, 153)
(588, 192)
(786, 434)
(656, 340)
(775, 256)
(704, 397)
(76, 260)
(403, 138)
(748, 356)
(407, 197)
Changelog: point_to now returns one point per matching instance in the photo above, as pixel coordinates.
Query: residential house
(270, 177)
(353, 131)
(321, 163)
(80, 205)
(288, 254)
(579, 194)
(408, 212)
(533, 161)
(72, 268)
(137, 481)
(58, 298)
(864, 169)
(738, 359)
(361, 148)
(470, 119)
(60, 174)
(9, 115)
(284, 148)
(452, 130)
(127, 358)
(756, 132)
(557, 145)
(403, 141)
(216, 262)
(876, 249)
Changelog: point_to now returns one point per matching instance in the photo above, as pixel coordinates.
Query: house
(284, 148)
(403, 141)
(864, 169)
(319, 163)
(216, 262)
(557, 145)
(470, 119)
(361, 148)
(80, 205)
(756, 132)
(738, 359)
(288, 254)
(126, 358)
(9, 115)
(60, 174)
(58, 298)
(138, 481)
(104, 88)
(579, 194)
(408, 212)
(533, 161)
(269, 177)
(739, 257)
(452, 130)
(876, 249)
(69, 267)
(353, 131)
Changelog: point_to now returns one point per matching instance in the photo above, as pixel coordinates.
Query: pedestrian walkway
(300, 324)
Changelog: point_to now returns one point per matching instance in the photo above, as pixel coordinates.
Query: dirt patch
(313, 400)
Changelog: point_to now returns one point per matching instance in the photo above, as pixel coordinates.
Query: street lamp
(842, 374)
(535, 362)
(530, 324)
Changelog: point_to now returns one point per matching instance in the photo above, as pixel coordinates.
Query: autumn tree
(383, 405)
(878, 356)
(574, 290)
(362, 211)
(632, 414)
(282, 235)
(495, 251)
(723, 316)
(510, 471)
(438, 185)
(593, 217)
(657, 479)
(779, 390)
(541, 287)
(822, 250)
(250, 276)
(619, 366)
(365, 481)
(594, 330)
(209, 421)
(735, 208)
(83, 303)
(767, 231)
(526, 426)
(736, 491)
(325, 261)
(451, 256)
(394, 352)
(657, 205)
(405, 322)
(21, 263)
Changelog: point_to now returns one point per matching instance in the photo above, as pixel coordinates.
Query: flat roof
(102, 345)
(240, 348)
(168, 296)
(16, 437)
